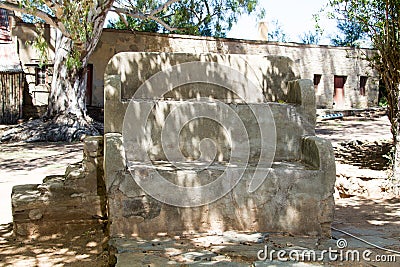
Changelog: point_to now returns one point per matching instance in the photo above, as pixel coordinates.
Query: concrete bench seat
(200, 166)
(296, 195)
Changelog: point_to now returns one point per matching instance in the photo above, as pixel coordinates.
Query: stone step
(35, 209)
(63, 202)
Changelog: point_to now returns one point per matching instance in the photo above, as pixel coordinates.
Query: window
(317, 79)
(4, 23)
(340, 81)
(5, 36)
(43, 75)
(363, 83)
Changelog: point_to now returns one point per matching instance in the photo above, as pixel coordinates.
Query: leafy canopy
(196, 17)
(82, 21)
(277, 34)
(313, 37)
(351, 33)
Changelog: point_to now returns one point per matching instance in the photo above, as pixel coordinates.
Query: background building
(342, 78)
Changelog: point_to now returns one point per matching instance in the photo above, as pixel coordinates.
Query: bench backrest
(291, 103)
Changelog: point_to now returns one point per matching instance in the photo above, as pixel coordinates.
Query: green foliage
(32, 5)
(135, 24)
(198, 17)
(73, 15)
(310, 38)
(40, 45)
(313, 37)
(351, 33)
(383, 102)
(195, 17)
(74, 18)
(74, 60)
(277, 34)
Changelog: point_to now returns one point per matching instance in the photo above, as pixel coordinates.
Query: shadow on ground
(22, 156)
(84, 247)
(369, 214)
(353, 128)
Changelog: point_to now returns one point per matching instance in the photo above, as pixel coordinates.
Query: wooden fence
(11, 88)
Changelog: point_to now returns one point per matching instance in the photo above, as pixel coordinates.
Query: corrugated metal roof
(9, 60)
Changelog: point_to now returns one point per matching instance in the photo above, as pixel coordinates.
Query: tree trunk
(396, 167)
(66, 117)
(395, 120)
(67, 96)
(66, 111)
(67, 108)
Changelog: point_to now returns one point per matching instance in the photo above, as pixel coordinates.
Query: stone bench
(294, 171)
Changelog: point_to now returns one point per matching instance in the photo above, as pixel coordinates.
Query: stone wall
(34, 95)
(297, 60)
(303, 61)
(364, 154)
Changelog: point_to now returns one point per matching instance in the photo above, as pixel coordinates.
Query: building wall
(303, 61)
(25, 34)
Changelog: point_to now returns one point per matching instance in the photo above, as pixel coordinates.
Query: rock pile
(364, 154)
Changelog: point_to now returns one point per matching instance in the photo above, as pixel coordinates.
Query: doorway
(338, 93)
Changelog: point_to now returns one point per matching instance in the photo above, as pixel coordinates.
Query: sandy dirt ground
(354, 128)
(29, 163)
(375, 216)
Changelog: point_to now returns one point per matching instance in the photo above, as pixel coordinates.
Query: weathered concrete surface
(136, 68)
(293, 198)
(374, 220)
(286, 146)
(126, 72)
(296, 196)
(62, 203)
(292, 60)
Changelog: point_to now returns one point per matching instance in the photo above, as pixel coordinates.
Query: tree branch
(123, 19)
(53, 5)
(162, 23)
(151, 15)
(52, 21)
(162, 7)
